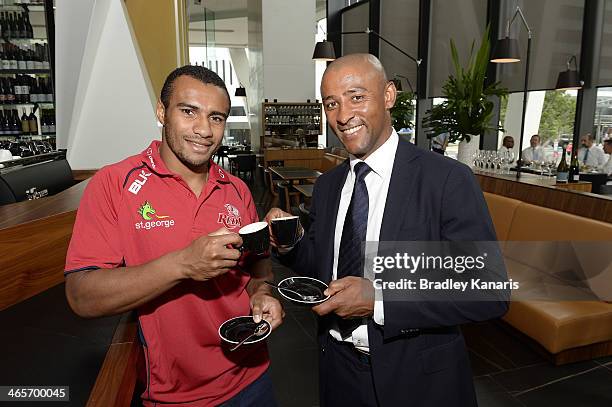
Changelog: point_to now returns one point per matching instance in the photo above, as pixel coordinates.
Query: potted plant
(467, 109)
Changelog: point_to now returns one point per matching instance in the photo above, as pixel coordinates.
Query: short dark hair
(203, 74)
(608, 141)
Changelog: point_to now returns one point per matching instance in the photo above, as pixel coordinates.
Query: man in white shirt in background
(607, 168)
(534, 152)
(590, 154)
(507, 145)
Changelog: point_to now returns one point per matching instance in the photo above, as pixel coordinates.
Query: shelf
(19, 7)
(24, 71)
(22, 40)
(25, 104)
(291, 124)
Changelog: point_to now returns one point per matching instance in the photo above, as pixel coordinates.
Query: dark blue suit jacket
(418, 357)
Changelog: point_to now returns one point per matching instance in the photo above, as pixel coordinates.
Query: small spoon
(302, 296)
(260, 330)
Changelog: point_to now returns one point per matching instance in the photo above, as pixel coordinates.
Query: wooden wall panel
(531, 191)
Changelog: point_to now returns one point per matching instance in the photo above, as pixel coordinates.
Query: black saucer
(236, 329)
(306, 286)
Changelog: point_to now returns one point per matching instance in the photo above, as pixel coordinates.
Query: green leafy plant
(467, 109)
(403, 111)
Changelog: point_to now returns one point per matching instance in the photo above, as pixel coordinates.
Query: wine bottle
(574, 169)
(22, 27)
(17, 89)
(562, 170)
(8, 91)
(2, 129)
(21, 61)
(52, 121)
(25, 123)
(6, 63)
(30, 64)
(48, 91)
(44, 125)
(15, 123)
(33, 123)
(29, 29)
(13, 58)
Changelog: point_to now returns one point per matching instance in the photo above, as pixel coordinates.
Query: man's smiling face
(357, 99)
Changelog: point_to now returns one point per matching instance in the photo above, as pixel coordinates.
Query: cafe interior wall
(102, 67)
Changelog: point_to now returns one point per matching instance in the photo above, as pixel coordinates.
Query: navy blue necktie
(350, 255)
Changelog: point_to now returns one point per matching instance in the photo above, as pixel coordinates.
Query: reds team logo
(230, 219)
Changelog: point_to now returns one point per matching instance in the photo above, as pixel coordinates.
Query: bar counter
(545, 192)
(44, 342)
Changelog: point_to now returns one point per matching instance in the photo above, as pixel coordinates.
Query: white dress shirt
(377, 181)
(533, 154)
(607, 168)
(596, 158)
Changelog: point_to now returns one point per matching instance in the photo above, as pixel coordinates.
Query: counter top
(29, 211)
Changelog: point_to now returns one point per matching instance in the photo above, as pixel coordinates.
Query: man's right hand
(210, 256)
(273, 214)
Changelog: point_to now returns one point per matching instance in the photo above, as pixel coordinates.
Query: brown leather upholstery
(556, 325)
(502, 211)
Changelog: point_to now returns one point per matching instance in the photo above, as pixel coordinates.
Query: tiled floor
(506, 371)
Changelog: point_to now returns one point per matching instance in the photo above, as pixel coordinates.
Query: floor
(507, 372)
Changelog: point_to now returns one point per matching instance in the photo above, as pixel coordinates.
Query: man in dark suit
(374, 351)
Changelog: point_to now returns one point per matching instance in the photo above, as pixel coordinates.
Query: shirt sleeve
(95, 241)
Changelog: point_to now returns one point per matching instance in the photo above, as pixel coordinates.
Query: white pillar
(514, 111)
(112, 116)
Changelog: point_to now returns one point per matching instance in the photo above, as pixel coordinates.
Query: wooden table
(295, 173)
(305, 189)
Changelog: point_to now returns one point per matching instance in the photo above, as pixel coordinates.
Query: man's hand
(210, 256)
(279, 213)
(265, 306)
(351, 297)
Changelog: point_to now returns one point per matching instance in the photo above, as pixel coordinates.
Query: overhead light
(324, 51)
(240, 91)
(569, 79)
(506, 51)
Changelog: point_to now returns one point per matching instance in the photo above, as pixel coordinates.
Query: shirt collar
(380, 161)
(153, 160)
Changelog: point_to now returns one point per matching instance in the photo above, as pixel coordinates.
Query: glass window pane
(605, 63)
(557, 35)
(603, 115)
(462, 20)
(356, 18)
(400, 25)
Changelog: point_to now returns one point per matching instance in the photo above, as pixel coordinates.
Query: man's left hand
(351, 297)
(267, 307)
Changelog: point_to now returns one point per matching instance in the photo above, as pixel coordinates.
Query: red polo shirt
(135, 211)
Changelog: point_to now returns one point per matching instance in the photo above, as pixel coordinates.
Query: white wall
(112, 116)
(512, 121)
(72, 21)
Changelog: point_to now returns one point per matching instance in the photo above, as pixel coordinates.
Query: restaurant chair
(284, 197)
(222, 154)
(245, 163)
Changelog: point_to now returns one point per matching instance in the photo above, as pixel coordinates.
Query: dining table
(305, 189)
(299, 174)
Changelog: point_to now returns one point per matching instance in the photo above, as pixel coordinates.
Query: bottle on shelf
(562, 170)
(574, 169)
(33, 123)
(25, 123)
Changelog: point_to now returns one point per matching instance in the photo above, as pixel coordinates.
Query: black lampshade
(324, 51)
(568, 80)
(240, 92)
(506, 50)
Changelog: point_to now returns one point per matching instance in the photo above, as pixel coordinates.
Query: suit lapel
(334, 192)
(403, 180)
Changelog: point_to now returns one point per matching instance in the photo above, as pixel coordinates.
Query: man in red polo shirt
(155, 232)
